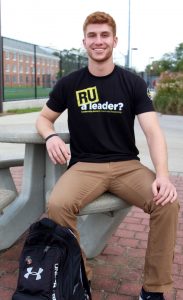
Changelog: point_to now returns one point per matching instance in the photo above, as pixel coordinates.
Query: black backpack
(51, 266)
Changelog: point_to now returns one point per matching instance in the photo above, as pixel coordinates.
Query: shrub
(169, 93)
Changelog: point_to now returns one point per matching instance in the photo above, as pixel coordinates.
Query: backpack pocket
(38, 272)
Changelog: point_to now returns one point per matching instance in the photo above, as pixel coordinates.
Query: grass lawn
(18, 93)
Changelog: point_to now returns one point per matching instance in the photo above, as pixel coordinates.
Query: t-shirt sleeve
(57, 97)
(142, 97)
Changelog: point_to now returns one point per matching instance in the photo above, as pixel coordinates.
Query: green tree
(70, 60)
(169, 62)
(179, 57)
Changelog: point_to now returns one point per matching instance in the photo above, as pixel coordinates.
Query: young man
(102, 101)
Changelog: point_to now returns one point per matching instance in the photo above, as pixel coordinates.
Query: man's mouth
(98, 50)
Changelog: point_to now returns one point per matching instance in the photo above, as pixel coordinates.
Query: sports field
(19, 93)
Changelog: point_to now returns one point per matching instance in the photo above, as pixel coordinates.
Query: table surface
(26, 133)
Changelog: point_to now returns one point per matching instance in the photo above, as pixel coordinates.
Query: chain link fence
(30, 71)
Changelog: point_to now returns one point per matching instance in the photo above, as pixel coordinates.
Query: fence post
(1, 66)
(35, 73)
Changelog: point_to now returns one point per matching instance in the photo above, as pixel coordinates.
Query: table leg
(29, 204)
(53, 172)
(96, 229)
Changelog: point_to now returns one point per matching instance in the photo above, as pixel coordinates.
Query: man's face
(99, 42)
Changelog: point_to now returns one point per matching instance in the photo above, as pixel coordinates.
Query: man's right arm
(57, 149)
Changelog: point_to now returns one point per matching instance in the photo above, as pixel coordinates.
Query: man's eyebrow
(108, 32)
(91, 32)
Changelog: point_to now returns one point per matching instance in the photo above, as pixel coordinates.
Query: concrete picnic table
(96, 222)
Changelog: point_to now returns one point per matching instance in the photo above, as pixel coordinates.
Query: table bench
(98, 220)
(6, 197)
(8, 191)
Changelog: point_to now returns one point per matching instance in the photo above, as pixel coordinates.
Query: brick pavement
(118, 271)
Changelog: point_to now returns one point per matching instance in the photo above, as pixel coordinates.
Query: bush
(169, 93)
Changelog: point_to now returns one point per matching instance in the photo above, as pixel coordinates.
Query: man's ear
(115, 41)
(84, 42)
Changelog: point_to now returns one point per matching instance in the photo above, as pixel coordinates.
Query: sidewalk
(118, 271)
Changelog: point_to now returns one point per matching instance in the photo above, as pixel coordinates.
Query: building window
(20, 57)
(27, 79)
(7, 78)
(7, 55)
(21, 79)
(20, 68)
(27, 69)
(7, 68)
(14, 56)
(14, 79)
(32, 80)
(32, 70)
(14, 69)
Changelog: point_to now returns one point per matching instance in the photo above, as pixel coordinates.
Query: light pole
(1, 66)
(129, 29)
(150, 68)
(132, 49)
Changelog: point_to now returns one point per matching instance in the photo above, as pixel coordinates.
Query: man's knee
(168, 211)
(62, 205)
(173, 208)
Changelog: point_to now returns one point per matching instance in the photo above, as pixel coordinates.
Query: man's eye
(105, 35)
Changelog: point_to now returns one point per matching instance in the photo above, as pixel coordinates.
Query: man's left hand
(164, 191)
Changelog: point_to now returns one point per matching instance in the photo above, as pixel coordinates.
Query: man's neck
(100, 69)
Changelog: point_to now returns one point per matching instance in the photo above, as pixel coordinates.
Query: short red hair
(99, 17)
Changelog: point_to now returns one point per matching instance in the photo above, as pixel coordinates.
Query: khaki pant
(131, 181)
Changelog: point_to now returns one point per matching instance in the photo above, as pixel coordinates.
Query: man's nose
(98, 39)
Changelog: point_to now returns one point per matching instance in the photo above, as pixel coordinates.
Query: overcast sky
(156, 25)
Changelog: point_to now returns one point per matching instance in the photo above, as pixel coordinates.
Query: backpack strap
(85, 279)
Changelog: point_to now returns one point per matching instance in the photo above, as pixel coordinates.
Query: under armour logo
(37, 274)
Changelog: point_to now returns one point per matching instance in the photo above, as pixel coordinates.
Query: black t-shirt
(101, 113)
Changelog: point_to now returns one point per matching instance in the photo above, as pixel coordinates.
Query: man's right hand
(57, 150)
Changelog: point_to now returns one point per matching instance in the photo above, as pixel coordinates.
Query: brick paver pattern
(118, 270)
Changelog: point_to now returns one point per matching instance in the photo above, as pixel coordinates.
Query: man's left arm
(163, 190)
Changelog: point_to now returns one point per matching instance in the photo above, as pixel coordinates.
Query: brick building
(25, 64)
